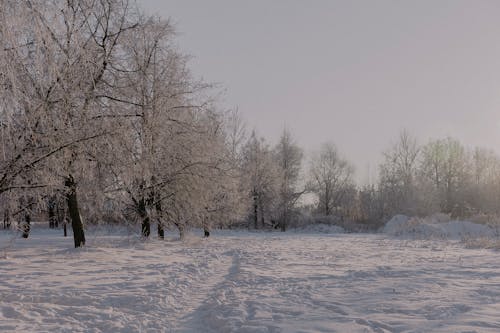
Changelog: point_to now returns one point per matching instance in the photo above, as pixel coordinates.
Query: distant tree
(483, 192)
(371, 210)
(261, 175)
(331, 178)
(444, 163)
(397, 181)
(289, 159)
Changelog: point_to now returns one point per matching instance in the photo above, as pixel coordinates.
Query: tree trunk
(284, 221)
(27, 225)
(146, 222)
(6, 219)
(180, 227)
(262, 218)
(52, 214)
(161, 231)
(146, 227)
(255, 212)
(74, 212)
(65, 229)
(60, 213)
(206, 232)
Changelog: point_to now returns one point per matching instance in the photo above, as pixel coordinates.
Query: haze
(352, 72)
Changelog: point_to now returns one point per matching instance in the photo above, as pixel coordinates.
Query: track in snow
(248, 282)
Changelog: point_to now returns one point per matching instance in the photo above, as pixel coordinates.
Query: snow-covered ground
(247, 282)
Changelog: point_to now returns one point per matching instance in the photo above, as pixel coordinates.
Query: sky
(355, 73)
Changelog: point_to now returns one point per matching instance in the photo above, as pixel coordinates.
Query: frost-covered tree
(58, 60)
(288, 156)
(398, 173)
(330, 178)
(444, 164)
(483, 193)
(224, 199)
(155, 83)
(261, 174)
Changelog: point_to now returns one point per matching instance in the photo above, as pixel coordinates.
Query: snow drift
(432, 228)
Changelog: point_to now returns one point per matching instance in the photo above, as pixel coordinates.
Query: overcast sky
(351, 72)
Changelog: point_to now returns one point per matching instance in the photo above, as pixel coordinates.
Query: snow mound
(320, 228)
(395, 224)
(428, 228)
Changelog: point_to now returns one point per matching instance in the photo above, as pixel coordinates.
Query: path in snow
(249, 282)
(113, 285)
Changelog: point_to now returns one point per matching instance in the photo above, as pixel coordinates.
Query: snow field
(248, 282)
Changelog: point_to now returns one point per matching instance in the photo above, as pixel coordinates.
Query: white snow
(321, 228)
(430, 228)
(247, 282)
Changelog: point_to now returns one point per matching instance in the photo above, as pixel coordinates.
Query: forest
(102, 121)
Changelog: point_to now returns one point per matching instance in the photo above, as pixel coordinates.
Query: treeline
(101, 120)
(440, 176)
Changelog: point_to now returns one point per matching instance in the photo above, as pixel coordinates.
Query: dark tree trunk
(327, 202)
(146, 223)
(26, 226)
(61, 213)
(146, 227)
(207, 232)
(52, 213)
(255, 212)
(74, 212)
(262, 218)
(284, 221)
(161, 231)
(65, 229)
(6, 219)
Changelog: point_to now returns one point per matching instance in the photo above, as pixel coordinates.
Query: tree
(483, 192)
(289, 158)
(398, 172)
(331, 178)
(444, 164)
(60, 64)
(261, 171)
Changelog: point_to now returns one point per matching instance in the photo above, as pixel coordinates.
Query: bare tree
(289, 159)
(444, 163)
(397, 181)
(262, 179)
(331, 178)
